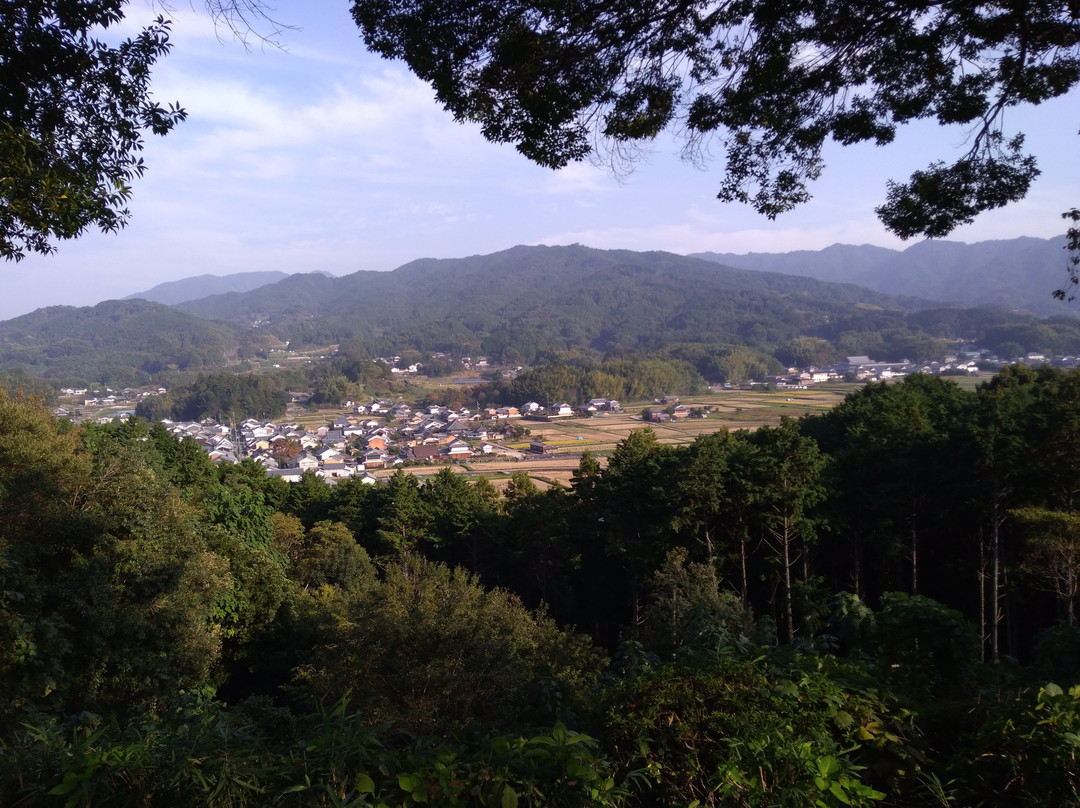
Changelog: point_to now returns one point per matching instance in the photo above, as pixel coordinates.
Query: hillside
(122, 341)
(174, 292)
(523, 306)
(531, 300)
(1017, 274)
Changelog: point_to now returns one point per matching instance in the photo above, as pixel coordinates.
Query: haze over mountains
(527, 304)
(173, 292)
(1017, 273)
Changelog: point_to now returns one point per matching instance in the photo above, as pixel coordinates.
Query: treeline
(223, 397)
(873, 606)
(620, 379)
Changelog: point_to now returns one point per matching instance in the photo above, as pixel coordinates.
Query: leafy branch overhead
(770, 82)
(73, 110)
(72, 113)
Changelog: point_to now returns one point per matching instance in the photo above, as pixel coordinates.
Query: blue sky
(320, 156)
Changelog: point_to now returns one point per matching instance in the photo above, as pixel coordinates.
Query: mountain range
(1019, 273)
(526, 304)
(174, 292)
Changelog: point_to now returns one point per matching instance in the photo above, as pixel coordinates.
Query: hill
(526, 301)
(524, 306)
(1016, 274)
(174, 292)
(122, 342)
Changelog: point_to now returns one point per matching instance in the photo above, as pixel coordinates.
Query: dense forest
(223, 397)
(873, 606)
(119, 343)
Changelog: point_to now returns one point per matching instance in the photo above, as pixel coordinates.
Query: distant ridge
(1016, 274)
(173, 293)
(529, 304)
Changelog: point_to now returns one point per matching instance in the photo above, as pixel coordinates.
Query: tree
(72, 114)
(701, 470)
(1054, 554)
(108, 589)
(404, 519)
(432, 649)
(789, 478)
(772, 82)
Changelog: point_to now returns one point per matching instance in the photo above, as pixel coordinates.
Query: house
(335, 438)
(427, 452)
(377, 441)
(560, 410)
(539, 447)
(303, 462)
(335, 470)
(459, 450)
(288, 475)
(375, 459)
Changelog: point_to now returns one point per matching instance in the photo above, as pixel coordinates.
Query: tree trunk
(856, 572)
(914, 558)
(745, 574)
(789, 606)
(995, 580)
(983, 636)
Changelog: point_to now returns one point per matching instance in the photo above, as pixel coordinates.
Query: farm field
(730, 409)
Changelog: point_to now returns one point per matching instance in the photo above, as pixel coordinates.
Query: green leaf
(838, 792)
(509, 797)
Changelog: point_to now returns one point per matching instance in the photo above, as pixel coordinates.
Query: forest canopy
(871, 606)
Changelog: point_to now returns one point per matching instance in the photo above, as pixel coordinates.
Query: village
(387, 434)
(380, 435)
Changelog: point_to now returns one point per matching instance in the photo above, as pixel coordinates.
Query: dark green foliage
(429, 648)
(623, 324)
(554, 79)
(221, 397)
(738, 733)
(17, 382)
(1026, 754)
(923, 650)
(109, 589)
(528, 303)
(333, 757)
(689, 614)
(118, 342)
(72, 113)
(138, 583)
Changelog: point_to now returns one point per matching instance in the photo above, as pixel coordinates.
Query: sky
(317, 155)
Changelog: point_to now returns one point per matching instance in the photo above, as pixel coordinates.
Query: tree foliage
(170, 625)
(72, 113)
(221, 396)
(772, 83)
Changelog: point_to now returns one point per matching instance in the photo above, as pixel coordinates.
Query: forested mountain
(540, 299)
(173, 292)
(118, 341)
(526, 305)
(1017, 273)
